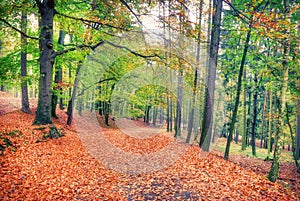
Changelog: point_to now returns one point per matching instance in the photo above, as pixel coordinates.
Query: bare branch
(100, 81)
(133, 13)
(18, 30)
(93, 47)
(133, 52)
(88, 22)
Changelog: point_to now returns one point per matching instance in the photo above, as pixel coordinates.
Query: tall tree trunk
(213, 58)
(57, 80)
(72, 100)
(270, 124)
(292, 137)
(274, 171)
(43, 113)
(155, 112)
(254, 120)
(262, 137)
(248, 119)
(297, 145)
(192, 111)
(179, 104)
(237, 98)
(244, 142)
(24, 85)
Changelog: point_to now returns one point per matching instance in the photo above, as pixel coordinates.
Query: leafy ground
(62, 169)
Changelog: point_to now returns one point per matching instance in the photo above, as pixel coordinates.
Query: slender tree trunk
(24, 85)
(237, 98)
(171, 74)
(179, 105)
(270, 124)
(254, 120)
(192, 111)
(43, 113)
(236, 135)
(297, 145)
(274, 171)
(57, 80)
(154, 116)
(248, 120)
(262, 137)
(292, 138)
(209, 95)
(244, 142)
(72, 100)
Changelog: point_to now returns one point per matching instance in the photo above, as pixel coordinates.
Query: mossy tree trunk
(47, 11)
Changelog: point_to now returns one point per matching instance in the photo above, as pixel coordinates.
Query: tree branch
(99, 82)
(18, 30)
(133, 52)
(133, 13)
(93, 47)
(87, 22)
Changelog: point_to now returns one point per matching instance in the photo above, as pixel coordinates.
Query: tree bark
(262, 137)
(213, 58)
(72, 100)
(254, 117)
(24, 85)
(297, 145)
(292, 138)
(57, 80)
(274, 171)
(237, 98)
(179, 104)
(270, 124)
(43, 113)
(192, 111)
(244, 142)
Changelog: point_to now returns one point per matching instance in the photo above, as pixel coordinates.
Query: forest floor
(35, 168)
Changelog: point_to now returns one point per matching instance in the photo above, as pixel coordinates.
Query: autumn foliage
(37, 168)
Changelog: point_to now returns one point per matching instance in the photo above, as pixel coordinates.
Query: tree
(24, 85)
(47, 12)
(210, 89)
(274, 171)
(237, 98)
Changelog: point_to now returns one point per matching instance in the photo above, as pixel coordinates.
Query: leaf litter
(63, 169)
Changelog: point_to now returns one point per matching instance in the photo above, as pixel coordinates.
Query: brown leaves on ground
(62, 169)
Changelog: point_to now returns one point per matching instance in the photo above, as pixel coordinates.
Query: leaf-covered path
(62, 169)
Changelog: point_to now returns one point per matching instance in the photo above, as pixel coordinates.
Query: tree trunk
(24, 85)
(213, 58)
(297, 145)
(179, 104)
(244, 142)
(155, 112)
(236, 135)
(263, 121)
(192, 111)
(248, 120)
(43, 113)
(72, 100)
(253, 128)
(274, 171)
(270, 124)
(57, 80)
(237, 98)
(292, 137)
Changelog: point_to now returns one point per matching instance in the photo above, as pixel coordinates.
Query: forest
(149, 100)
